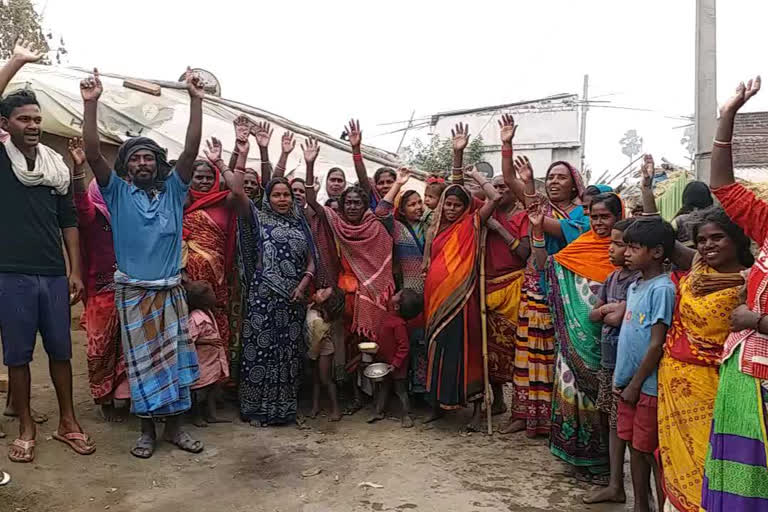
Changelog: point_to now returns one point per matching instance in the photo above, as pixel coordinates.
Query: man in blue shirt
(147, 210)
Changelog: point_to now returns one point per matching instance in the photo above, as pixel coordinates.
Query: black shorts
(32, 303)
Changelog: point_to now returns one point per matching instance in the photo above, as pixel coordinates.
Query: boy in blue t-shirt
(609, 310)
(650, 303)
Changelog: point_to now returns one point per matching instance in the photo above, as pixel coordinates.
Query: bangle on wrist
(526, 194)
(507, 152)
(357, 157)
(78, 176)
(722, 143)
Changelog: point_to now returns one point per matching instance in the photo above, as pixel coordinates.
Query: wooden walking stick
(484, 330)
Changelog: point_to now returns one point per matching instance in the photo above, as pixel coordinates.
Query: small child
(650, 304)
(211, 352)
(432, 193)
(393, 344)
(611, 303)
(327, 306)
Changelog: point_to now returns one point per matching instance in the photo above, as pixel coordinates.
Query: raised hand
(24, 52)
(507, 127)
(195, 84)
(471, 172)
(742, 95)
(213, 150)
(287, 143)
(243, 126)
(354, 133)
(460, 136)
(310, 148)
(648, 171)
(91, 88)
(524, 169)
(262, 132)
(536, 215)
(403, 175)
(76, 151)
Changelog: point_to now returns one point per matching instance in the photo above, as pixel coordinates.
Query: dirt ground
(318, 468)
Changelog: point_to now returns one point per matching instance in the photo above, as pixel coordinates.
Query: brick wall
(750, 140)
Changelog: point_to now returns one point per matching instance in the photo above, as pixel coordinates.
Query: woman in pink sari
(106, 365)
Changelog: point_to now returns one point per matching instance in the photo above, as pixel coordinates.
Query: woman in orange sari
(452, 299)
(209, 234)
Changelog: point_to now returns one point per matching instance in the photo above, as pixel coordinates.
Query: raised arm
(262, 132)
(355, 135)
(237, 197)
(242, 127)
(311, 150)
(287, 144)
(722, 155)
(492, 202)
(682, 256)
(646, 188)
(90, 90)
(459, 141)
(185, 163)
(508, 128)
(76, 151)
(23, 53)
(524, 169)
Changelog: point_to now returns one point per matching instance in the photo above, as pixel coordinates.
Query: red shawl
(367, 248)
(201, 200)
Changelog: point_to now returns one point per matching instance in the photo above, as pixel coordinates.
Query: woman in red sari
(209, 236)
(452, 299)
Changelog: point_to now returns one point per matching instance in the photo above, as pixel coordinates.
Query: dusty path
(253, 469)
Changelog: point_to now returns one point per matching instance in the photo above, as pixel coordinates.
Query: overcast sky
(318, 63)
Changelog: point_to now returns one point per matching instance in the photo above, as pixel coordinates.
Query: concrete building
(549, 130)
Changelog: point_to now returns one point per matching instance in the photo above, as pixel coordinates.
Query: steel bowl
(377, 371)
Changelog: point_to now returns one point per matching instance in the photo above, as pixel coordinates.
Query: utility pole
(402, 139)
(706, 86)
(584, 109)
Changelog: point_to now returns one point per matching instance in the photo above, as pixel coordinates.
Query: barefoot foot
(110, 414)
(608, 494)
(512, 426)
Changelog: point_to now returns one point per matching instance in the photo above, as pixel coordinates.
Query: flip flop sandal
(184, 441)
(601, 480)
(29, 451)
(144, 443)
(70, 438)
(5, 478)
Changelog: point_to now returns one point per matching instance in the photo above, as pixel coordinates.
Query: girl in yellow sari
(688, 372)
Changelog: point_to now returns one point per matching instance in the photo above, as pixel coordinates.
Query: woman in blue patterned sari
(279, 264)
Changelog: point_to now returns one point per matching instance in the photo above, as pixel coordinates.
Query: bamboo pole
(484, 330)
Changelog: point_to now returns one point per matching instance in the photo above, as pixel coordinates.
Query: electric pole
(706, 86)
(584, 109)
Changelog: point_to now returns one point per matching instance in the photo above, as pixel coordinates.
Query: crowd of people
(203, 278)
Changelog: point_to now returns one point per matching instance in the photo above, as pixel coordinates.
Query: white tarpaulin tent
(125, 113)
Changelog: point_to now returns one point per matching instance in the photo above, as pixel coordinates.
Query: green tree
(18, 18)
(436, 157)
